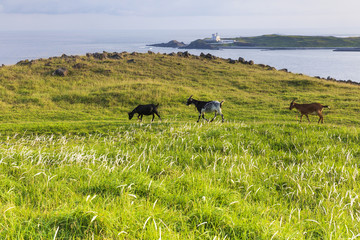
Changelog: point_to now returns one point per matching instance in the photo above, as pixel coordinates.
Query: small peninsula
(270, 42)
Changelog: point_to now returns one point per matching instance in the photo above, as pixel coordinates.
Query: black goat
(204, 107)
(149, 109)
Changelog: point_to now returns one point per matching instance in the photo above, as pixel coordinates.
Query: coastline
(344, 49)
(221, 47)
(269, 42)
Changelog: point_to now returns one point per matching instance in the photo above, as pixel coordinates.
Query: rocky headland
(171, 44)
(271, 42)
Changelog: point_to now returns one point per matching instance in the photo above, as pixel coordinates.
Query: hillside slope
(101, 86)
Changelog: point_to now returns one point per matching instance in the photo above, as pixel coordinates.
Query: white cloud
(181, 7)
(162, 14)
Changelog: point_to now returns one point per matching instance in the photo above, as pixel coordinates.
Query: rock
(100, 56)
(242, 60)
(60, 72)
(79, 65)
(284, 70)
(24, 62)
(184, 54)
(207, 56)
(231, 61)
(124, 54)
(131, 61)
(114, 55)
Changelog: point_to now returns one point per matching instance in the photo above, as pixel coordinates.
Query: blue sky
(333, 16)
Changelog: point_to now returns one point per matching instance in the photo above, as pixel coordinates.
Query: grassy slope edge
(73, 167)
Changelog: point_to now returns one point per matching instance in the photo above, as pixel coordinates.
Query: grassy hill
(72, 166)
(107, 89)
(298, 41)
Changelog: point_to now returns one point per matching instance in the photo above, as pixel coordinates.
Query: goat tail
(326, 107)
(221, 103)
(157, 105)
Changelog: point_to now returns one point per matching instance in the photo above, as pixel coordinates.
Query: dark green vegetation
(283, 41)
(73, 166)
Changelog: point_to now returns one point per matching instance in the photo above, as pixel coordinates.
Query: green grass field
(72, 166)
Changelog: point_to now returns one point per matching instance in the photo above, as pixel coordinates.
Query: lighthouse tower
(216, 37)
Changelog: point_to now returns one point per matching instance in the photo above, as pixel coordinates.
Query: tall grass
(183, 181)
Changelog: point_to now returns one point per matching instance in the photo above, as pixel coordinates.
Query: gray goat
(206, 107)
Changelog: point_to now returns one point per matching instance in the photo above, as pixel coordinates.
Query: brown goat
(306, 109)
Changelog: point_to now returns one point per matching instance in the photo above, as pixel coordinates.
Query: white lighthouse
(216, 37)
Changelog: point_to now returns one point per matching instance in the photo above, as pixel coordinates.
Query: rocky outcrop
(201, 44)
(80, 65)
(60, 72)
(197, 44)
(25, 62)
(171, 44)
(106, 55)
(207, 56)
(184, 54)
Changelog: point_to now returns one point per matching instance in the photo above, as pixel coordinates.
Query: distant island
(270, 42)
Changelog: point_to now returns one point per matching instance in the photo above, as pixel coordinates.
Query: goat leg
(203, 116)
(213, 117)
(157, 114)
(321, 119)
(307, 117)
(199, 117)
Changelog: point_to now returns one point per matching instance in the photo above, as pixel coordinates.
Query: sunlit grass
(72, 166)
(108, 89)
(183, 181)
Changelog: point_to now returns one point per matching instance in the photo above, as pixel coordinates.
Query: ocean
(16, 46)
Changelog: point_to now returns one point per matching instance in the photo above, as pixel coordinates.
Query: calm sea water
(16, 46)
